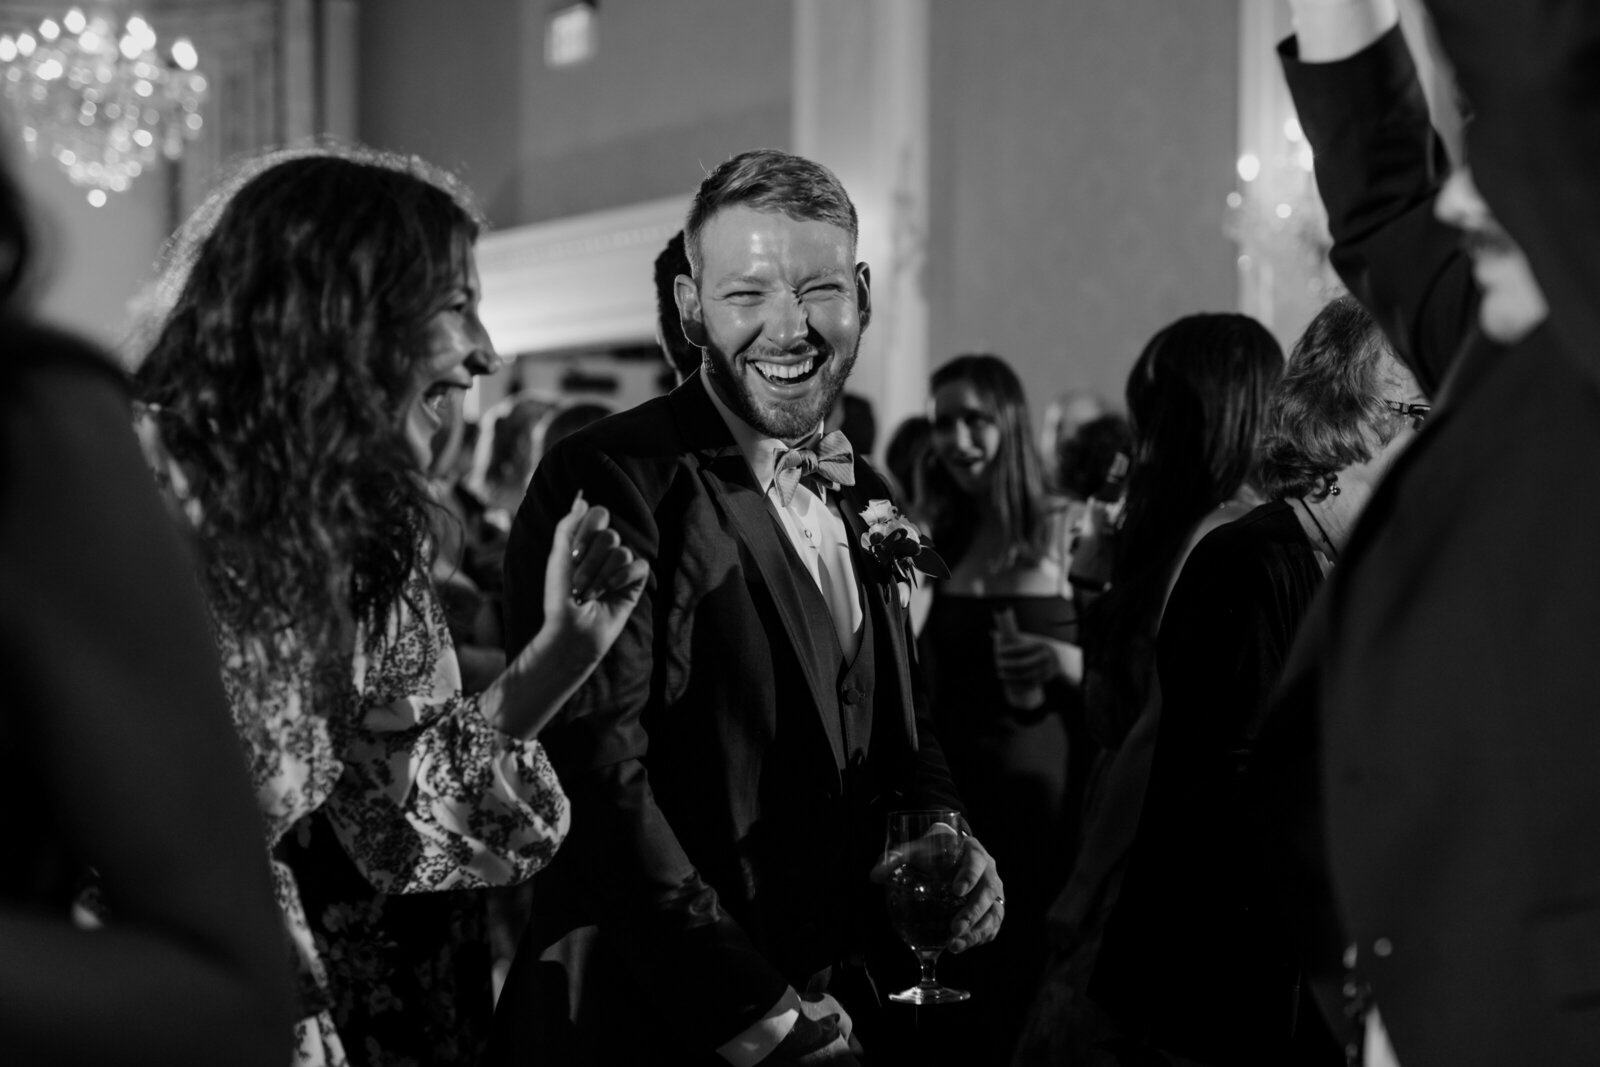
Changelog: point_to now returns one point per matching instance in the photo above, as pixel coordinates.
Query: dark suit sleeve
(636, 880)
(115, 703)
(1379, 166)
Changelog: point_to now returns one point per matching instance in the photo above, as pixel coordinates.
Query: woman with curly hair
(1196, 961)
(323, 308)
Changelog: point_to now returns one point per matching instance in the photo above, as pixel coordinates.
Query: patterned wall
(1081, 155)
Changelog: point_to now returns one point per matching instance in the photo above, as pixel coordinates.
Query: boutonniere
(897, 544)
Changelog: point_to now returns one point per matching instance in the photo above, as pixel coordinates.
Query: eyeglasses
(1417, 413)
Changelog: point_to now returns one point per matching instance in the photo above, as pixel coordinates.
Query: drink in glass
(926, 850)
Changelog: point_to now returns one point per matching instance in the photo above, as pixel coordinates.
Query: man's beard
(784, 420)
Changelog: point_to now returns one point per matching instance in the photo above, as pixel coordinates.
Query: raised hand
(592, 582)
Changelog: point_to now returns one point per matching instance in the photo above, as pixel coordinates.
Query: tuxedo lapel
(880, 595)
(731, 486)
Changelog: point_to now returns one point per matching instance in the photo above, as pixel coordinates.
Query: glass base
(930, 994)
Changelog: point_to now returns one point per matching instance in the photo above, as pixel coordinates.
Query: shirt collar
(760, 451)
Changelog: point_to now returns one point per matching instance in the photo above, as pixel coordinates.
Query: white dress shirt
(813, 523)
(819, 535)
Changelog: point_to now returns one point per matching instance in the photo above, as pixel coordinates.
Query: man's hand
(820, 1036)
(977, 880)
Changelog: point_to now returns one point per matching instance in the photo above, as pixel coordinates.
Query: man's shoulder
(649, 426)
(638, 436)
(643, 445)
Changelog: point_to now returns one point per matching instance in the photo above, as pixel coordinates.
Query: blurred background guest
(853, 414)
(458, 530)
(1002, 669)
(567, 417)
(1197, 960)
(1085, 460)
(115, 750)
(1062, 419)
(506, 459)
(682, 357)
(906, 459)
(1196, 399)
(324, 306)
(510, 907)
(1453, 650)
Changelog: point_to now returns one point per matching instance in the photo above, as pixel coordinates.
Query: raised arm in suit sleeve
(684, 949)
(1379, 166)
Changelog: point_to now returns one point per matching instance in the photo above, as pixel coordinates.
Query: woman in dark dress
(1197, 399)
(1002, 666)
(1196, 960)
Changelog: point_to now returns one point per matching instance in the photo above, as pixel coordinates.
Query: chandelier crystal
(97, 95)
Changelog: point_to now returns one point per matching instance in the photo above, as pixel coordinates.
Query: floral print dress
(386, 757)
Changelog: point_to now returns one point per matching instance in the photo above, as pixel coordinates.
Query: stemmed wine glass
(925, 850)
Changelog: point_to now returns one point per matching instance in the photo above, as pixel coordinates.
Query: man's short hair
(766, 179)
(672, 261)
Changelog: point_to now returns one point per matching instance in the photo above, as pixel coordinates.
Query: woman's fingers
(1025, 662)
(592, 555)
(623, 572)
(619, 572)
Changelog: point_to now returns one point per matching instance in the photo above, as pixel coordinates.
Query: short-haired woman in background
(1197, 960)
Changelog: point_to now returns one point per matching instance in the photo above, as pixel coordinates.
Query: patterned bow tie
(831, 458)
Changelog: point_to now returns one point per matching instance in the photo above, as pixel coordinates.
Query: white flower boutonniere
(897, 544)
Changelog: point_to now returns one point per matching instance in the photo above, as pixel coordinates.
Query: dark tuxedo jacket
(1451, 659)
(729, 778)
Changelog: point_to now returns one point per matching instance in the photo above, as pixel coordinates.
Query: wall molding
(578, 282)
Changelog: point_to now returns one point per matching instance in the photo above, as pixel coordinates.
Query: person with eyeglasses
(1449, 666)
(1196, 962)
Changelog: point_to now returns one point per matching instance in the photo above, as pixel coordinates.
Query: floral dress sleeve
(432, 796)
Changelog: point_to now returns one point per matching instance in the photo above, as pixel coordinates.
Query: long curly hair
(1016, 492)
(1197, 399)
(299, 298)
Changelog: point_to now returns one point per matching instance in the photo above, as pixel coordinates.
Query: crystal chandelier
(99, 97)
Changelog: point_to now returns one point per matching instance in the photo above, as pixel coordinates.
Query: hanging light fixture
(97, 94)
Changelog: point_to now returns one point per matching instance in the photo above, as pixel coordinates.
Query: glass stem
(926, 960)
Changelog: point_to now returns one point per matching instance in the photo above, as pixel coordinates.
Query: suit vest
(854, 681)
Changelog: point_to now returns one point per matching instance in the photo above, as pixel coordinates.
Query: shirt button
(852, 695)
(1382, 947)
(808, 535)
